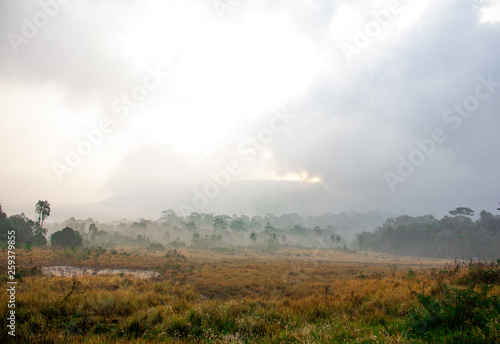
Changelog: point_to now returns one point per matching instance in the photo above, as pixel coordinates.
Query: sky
(112, 109)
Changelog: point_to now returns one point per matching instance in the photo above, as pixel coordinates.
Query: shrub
(481, 273)
(28, 247)
(66, 238)
(135, 329)
(156, 246)
(456, 310)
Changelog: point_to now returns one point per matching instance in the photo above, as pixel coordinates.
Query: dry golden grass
(295, 296)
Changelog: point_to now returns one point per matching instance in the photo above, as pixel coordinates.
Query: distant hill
(240, 197)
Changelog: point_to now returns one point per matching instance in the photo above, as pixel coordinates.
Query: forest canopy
(456, 235)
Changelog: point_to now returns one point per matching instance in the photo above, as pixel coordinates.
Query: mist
(125, 109)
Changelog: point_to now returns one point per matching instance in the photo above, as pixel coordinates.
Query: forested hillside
(454, 236)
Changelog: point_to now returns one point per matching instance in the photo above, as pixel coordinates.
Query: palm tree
(42, 208)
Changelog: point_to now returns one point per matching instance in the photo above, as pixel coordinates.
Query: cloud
(355, 115)
(367, 116)
(151, 165)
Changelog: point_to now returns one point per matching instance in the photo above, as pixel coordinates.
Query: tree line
(27, 231)
(32, 233)
(197, 229)
(454, 236)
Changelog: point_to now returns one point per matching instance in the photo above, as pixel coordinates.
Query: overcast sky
(384, 105)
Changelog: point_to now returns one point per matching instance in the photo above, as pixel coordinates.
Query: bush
(28, 247)
(66, 238)
(134, 330)
(481, 273)
(156, 246)
(456, 310)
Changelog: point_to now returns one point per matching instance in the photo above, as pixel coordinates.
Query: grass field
(244, 296)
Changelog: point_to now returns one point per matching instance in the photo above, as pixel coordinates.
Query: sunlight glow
(490, 14)
(343, 23)
(301, 177)
(223, 72)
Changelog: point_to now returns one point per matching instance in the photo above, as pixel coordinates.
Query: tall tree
(93, 231)
(42, 208)
(24, 228)
(462, 211)
(219, 223)
(253, 237)
(5, 227)
(237, 225)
